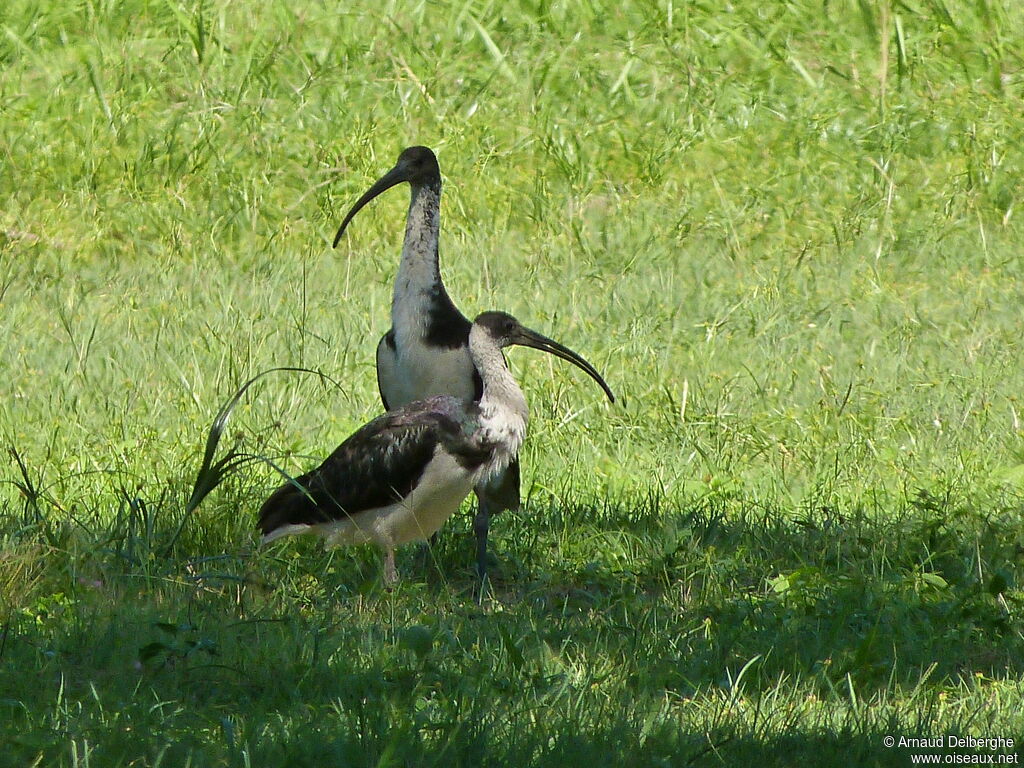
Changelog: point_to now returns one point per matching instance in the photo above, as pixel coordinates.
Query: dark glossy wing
(386, 346)
(478, 385)
(447, 328)
(378, 465)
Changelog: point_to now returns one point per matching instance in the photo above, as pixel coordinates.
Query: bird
(426, 350)
(402, 475)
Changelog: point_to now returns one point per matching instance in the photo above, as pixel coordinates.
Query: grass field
(787, 233)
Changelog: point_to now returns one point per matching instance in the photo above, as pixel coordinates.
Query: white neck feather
(503, 410)
(418, 273)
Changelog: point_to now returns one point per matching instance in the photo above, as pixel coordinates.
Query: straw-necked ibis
(398, 478)
(426, 351)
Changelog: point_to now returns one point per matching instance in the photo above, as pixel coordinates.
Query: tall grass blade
(211, 473)
(97, 89)
(494, 50)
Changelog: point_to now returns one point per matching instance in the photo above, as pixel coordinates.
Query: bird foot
(390, 572)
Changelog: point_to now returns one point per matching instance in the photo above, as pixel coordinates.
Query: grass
(788, 235)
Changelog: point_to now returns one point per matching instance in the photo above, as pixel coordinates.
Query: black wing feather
(378, 465)
(447, 328)
(387, 339)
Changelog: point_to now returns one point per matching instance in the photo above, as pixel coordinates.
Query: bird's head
(503, 330)
(416, 165)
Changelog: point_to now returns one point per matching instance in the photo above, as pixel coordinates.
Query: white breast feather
(415, 372)
(436, 497)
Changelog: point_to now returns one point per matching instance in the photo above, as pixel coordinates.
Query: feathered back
(378, 465)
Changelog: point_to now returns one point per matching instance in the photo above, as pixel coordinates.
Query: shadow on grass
(628, 634)
(882, 600)
(352, 689)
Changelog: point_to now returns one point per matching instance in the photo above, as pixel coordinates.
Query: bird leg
(426, 552)
(390, 572)
(481, 524)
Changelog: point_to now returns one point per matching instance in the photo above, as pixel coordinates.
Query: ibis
(426, 351)
(399, 477)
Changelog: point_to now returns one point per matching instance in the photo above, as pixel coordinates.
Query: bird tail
(290, 509)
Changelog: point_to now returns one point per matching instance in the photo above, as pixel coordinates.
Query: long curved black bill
(527, 338)
(395, 176)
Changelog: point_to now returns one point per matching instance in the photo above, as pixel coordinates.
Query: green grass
(788, 233)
